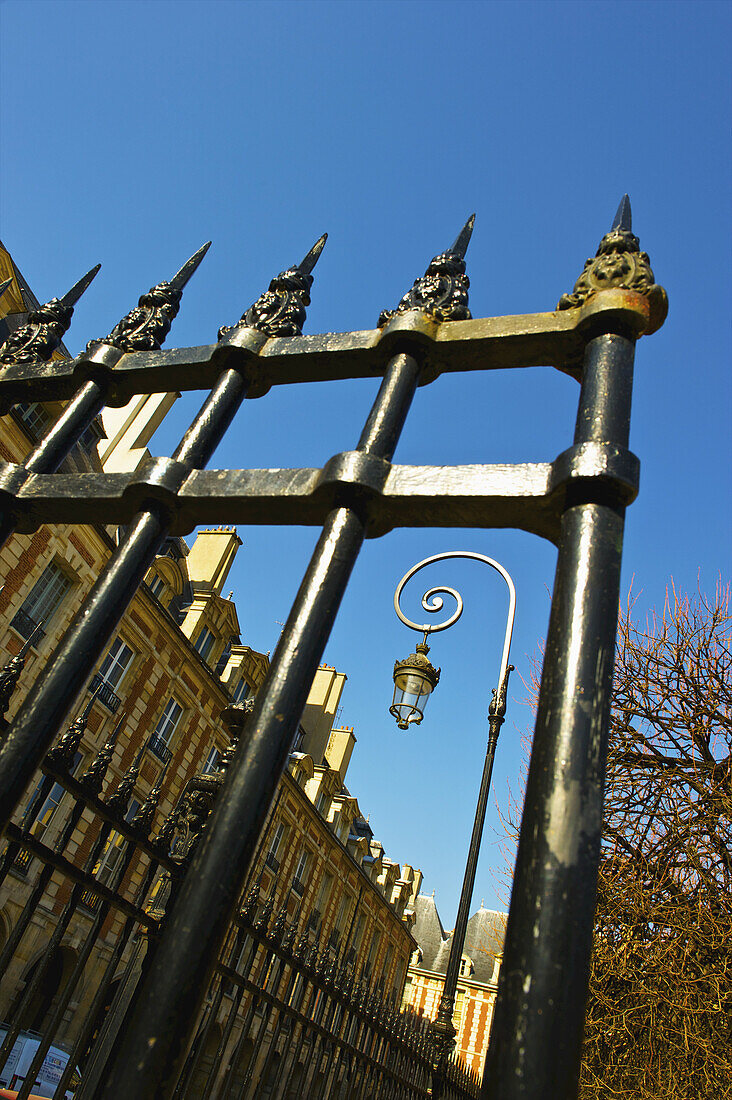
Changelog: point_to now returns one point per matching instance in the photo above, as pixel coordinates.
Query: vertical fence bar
(537, 1029)
(209, 893)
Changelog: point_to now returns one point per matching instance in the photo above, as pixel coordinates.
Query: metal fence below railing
(284, 1017)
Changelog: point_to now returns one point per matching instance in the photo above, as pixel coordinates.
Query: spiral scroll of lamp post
(432, 601)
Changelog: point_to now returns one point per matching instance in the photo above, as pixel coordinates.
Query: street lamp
(415, 678)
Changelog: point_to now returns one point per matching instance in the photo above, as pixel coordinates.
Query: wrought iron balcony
(159, 748)
(104, 693)
(298, 887)
(272, 862)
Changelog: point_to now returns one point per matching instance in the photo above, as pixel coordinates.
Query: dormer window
(466, 967)
(157, 586)
(241, 691)
(204, 643)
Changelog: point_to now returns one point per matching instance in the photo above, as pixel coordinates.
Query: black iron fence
(301, 1011)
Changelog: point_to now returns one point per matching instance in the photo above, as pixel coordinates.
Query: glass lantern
(415, 678)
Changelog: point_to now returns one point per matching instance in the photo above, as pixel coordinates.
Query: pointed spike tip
(181, 277)
(72, 296)
(313, 255)
(463, 238)
(623, 217)
(4, 286)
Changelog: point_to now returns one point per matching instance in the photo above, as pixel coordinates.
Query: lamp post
(415, 678)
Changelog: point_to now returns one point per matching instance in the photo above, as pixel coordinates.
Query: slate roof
(483, 939)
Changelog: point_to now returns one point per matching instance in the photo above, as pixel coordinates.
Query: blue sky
(133, 132)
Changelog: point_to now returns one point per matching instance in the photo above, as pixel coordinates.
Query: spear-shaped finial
(619, 264)
(623, 217)
(119, 799)
(62, 755)
(182, 277)
(280, 311)
(71, 297)
(463, 238)
(10, 674)
(4, 286)
(146, 326)
(38, 338)
(93, 777)
(442, 292)
(307, 265)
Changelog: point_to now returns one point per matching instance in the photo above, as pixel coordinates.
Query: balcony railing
(159, 748)
(272, 862)
(104, 693)
(298, 887)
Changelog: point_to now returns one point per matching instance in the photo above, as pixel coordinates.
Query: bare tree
(659, 1019)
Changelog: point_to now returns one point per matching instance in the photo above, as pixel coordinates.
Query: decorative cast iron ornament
(619, 263)
(145, 327)
(44, 330)
(577, 501)
(280, 310)
(442, 292)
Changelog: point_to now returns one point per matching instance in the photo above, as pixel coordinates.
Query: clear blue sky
(133, 132)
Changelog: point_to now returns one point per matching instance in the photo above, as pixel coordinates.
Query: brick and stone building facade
(478, 981)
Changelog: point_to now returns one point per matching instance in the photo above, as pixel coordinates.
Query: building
(153, 706)
(478, 982)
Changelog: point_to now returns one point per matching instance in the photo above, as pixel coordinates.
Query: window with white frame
(44, 598)
(115, 664)
(166, 727)
(212, 760)
(111, 857)
(35, 418)
(204, 643)
(298, 884)
(275, 845)
(50, 803)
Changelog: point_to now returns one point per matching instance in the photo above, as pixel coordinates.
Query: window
(35, 418)
(277, 837)
(324, 892)
(298, 884)
(110, 673)
(157, 586)
(116, 663)
(241, 691)
(165, 729)
(373, 950)
(42, 601)
(223, 659)
(204, 643)
(343, 911)
(358, 934)
(44, 815)
(387, 961)
(212, 761)
(106, 867)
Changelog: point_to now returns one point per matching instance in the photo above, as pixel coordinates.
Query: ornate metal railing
(577, 500)
(104, 693)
